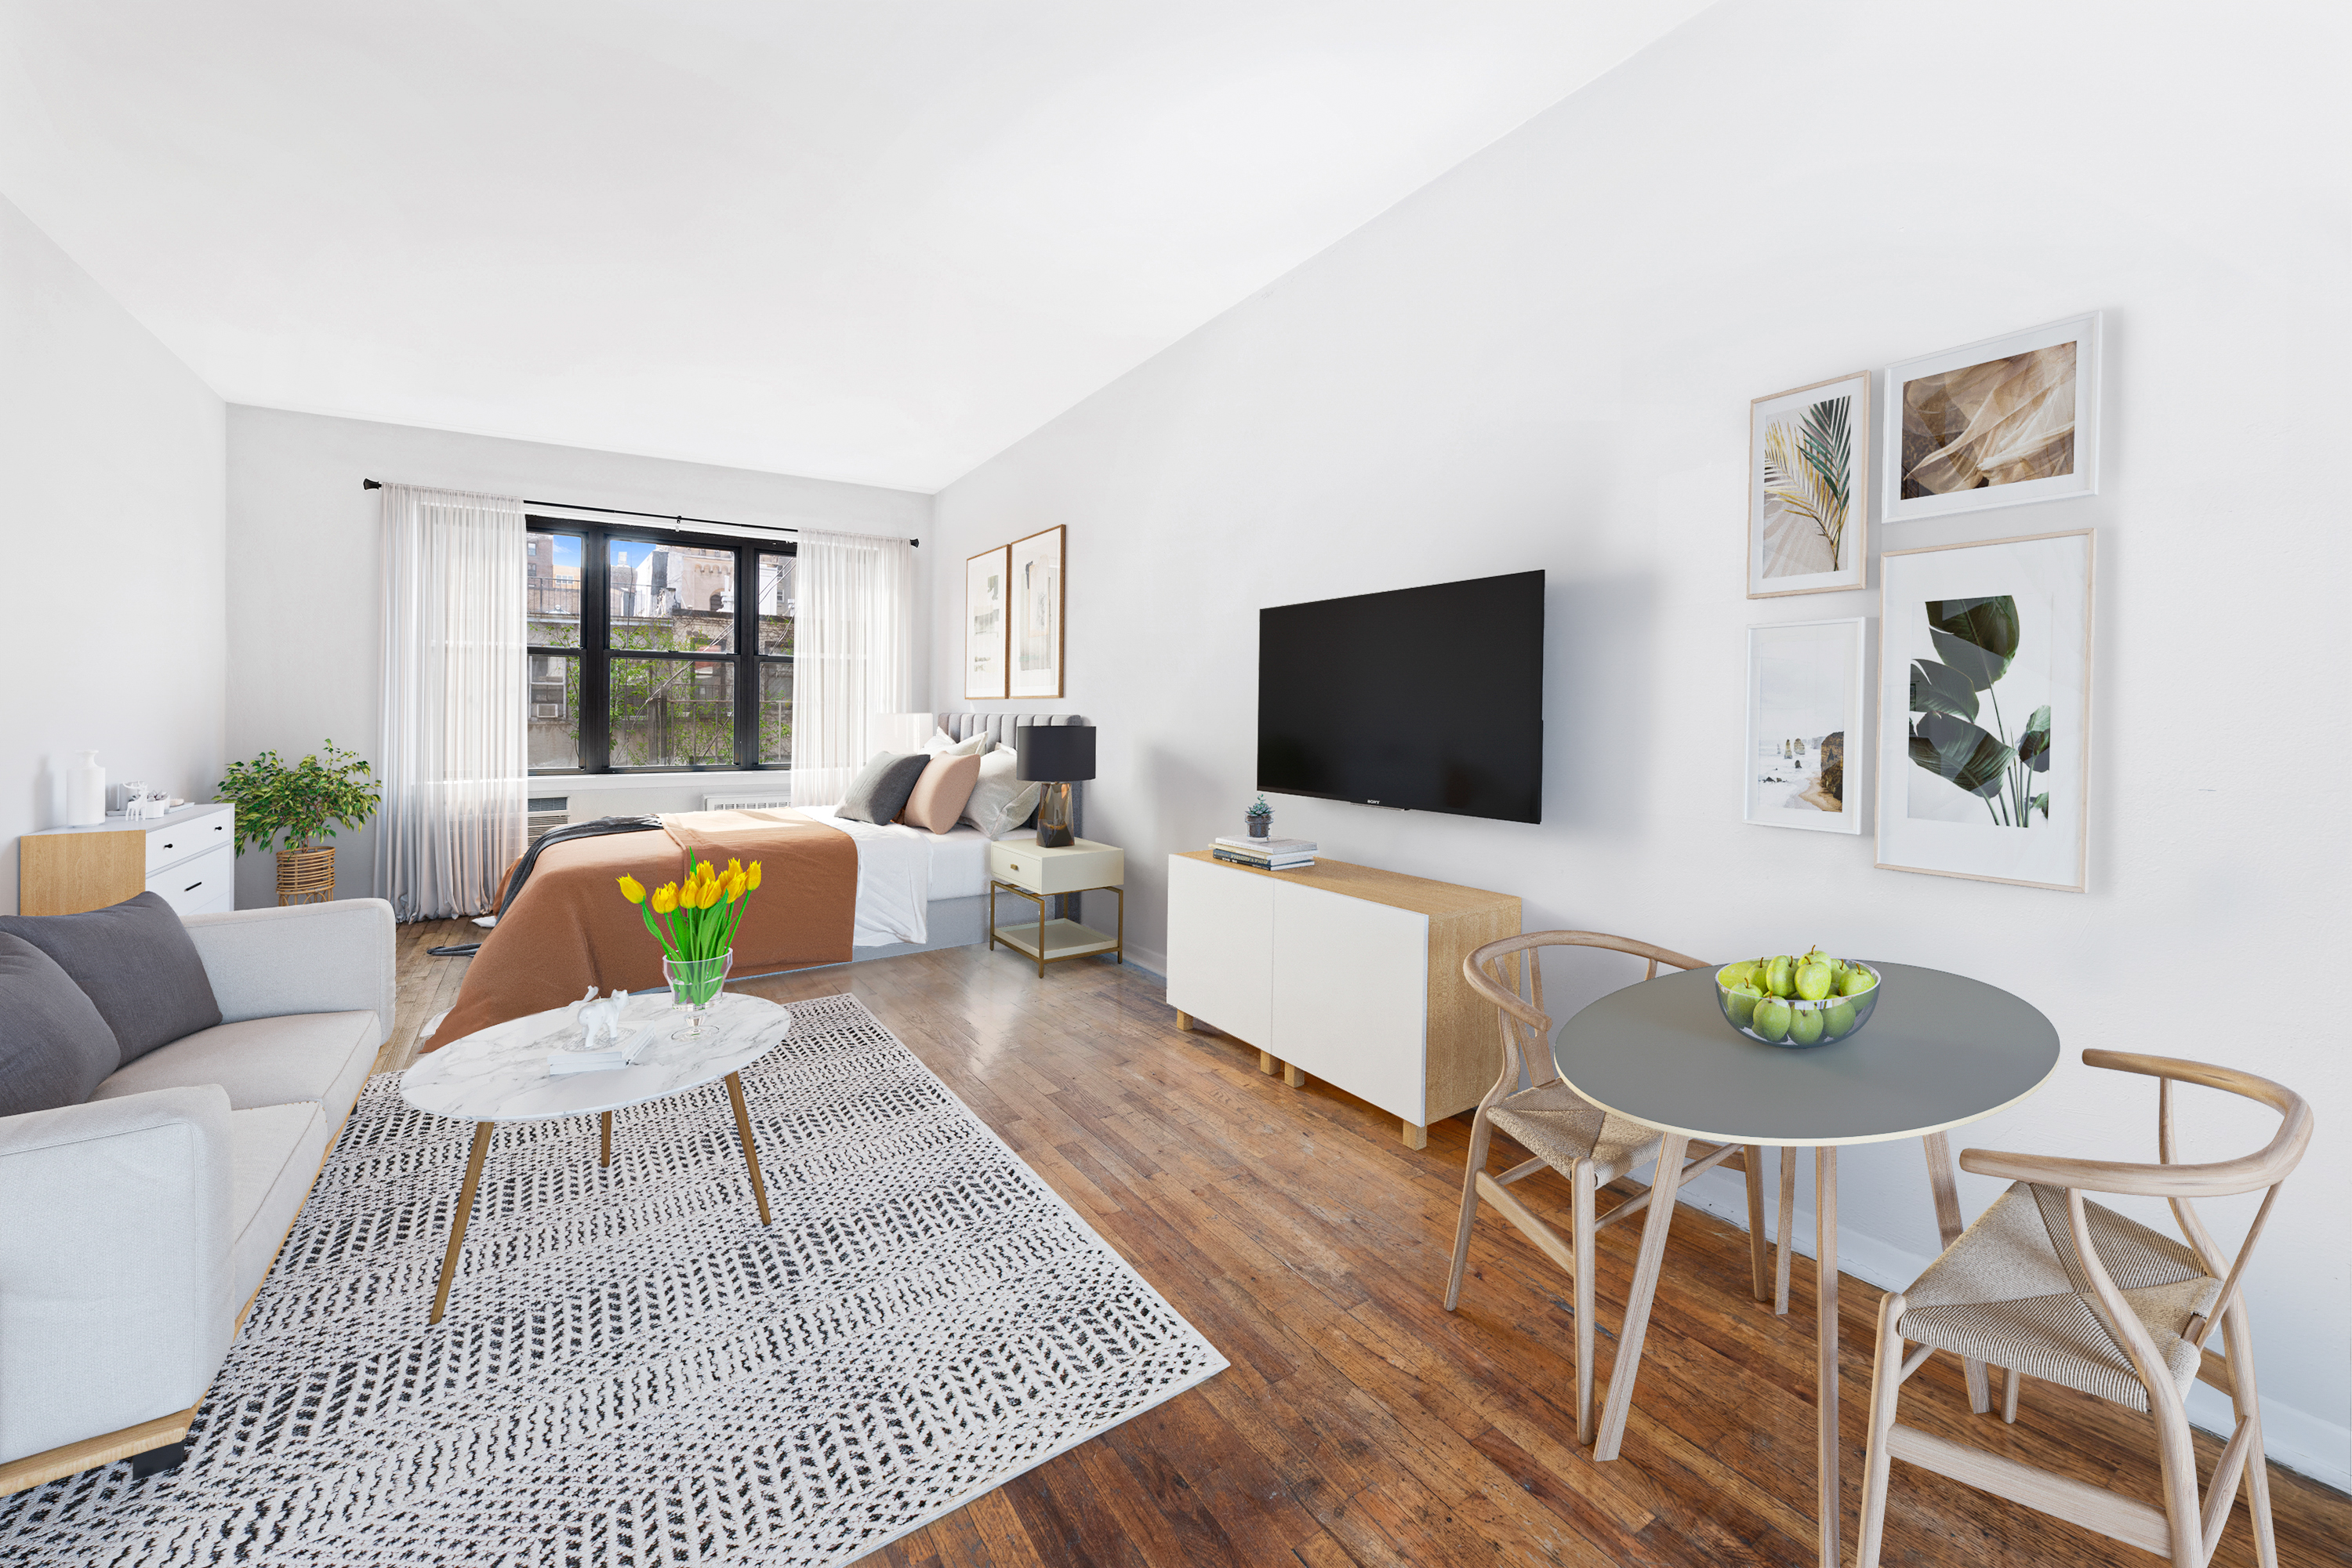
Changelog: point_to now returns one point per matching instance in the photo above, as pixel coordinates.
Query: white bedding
(901, 869)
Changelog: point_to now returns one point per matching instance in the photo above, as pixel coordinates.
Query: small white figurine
(600, 1022)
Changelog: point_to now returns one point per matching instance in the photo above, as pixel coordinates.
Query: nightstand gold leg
(1267, 1063)
(751, 1150)
(1184, 1021)
(604, 1156)
(457, 1221)
(1293, 1076)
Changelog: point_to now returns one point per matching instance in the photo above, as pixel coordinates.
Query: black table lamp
(1054, 755)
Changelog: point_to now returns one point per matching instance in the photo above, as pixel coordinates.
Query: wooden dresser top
(1391, 887)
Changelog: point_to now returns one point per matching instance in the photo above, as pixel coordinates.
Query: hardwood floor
(1360, 1422)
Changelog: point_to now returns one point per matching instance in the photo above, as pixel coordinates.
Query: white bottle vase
(86, 793)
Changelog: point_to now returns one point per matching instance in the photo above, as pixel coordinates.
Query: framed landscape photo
(1805, 700)
(1984, 722)
(1999, 423)
(984, 579)
(1808, 489)
(1036, 610)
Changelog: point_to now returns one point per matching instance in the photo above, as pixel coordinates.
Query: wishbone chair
(2050, 1285)
(1591, 1148)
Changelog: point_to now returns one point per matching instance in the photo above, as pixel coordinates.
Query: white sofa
(138, 1226)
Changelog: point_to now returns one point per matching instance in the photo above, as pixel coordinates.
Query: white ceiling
(864, 240)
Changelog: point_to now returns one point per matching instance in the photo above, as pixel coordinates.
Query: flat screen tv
(1428, 698)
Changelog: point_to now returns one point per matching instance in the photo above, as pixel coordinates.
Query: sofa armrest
(304, 958)
(115, 1281)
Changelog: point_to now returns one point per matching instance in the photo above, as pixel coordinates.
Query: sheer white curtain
(853, 655)
(456, 690)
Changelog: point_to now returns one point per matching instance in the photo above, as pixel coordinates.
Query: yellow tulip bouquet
(699, 917)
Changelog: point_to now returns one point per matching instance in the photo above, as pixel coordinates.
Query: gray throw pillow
(55, 1049)
(136, 962)
(879, 791)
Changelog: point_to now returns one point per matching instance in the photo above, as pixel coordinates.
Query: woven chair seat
(2011, 1291)
(1559, 1127)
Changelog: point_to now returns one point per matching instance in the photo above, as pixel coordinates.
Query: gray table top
(1940, 1050)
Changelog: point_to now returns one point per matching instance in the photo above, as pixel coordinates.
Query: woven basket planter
(306, 875)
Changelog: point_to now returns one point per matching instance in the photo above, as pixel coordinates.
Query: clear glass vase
(696, 985)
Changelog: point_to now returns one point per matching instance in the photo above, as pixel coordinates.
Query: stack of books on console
(1266, 854)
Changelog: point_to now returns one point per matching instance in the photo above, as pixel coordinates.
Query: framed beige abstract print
(1807, 694)
(1984, 720)
(984, 579)
(1998, 423)
(1808, 489)
(1036, 608)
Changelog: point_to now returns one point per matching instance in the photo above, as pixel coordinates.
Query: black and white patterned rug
(632, 1369)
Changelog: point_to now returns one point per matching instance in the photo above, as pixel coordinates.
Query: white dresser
(189, 856)
(1347, 973)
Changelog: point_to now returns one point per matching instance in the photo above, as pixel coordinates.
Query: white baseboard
(2297, 1439)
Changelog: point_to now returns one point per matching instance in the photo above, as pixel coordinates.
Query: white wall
(113, 544)
(1545, 360)
(306, 574)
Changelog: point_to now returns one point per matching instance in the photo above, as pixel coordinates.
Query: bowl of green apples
(1796, 1002)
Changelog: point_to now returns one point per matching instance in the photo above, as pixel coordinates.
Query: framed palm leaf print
(1808, 489)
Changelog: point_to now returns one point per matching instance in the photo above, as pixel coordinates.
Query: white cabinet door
(1221, 947)
(1351, 995)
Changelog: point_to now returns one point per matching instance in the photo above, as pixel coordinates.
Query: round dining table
(1940, 1051)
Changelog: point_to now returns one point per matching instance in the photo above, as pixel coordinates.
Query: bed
(909, 901)
(833, 892)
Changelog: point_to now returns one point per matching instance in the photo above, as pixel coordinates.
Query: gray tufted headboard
(999, 728)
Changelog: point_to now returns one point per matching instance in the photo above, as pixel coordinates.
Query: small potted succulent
(1260, 818)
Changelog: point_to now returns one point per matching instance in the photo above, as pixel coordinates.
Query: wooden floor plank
(1361, 1424)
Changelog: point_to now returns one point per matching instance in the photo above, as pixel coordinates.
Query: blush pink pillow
(938, 796)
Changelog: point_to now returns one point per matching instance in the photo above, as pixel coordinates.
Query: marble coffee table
(500, 1074)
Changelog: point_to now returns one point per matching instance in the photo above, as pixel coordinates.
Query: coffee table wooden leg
(464, 1211)
(605, 1155)
(751, 1152)
(1825, 1345)
(1620, 1402)
(1944, 1182)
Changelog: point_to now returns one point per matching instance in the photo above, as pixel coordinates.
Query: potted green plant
(293, 806)
(1259, 819)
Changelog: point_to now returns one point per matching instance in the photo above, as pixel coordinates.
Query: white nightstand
(1079, 866)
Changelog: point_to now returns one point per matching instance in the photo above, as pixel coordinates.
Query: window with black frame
(657, 651)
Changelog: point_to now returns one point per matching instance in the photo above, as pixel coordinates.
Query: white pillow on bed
(942, 744)
(1001, 800)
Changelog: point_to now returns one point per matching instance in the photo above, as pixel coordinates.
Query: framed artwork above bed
(985, 577)
(1035, 667)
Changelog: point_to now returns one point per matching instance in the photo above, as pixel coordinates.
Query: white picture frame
(1036, 604)
(1808, 489)
(2000, 630)
(2031, 405)
(984, 630)
(1806, 757)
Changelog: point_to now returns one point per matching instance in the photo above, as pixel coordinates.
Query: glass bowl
(1841, 1017)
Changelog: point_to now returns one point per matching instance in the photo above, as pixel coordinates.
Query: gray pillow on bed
(879, 791)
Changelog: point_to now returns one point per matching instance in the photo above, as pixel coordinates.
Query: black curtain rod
(679, 519)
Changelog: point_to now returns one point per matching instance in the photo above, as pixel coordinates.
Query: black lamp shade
(1055, 753)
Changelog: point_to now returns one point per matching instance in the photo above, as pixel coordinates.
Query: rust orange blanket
(570, 928)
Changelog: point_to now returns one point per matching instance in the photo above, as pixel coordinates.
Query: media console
(1342, 972)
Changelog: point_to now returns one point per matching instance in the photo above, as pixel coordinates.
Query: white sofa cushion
(318, 1056)
(274, 1153)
